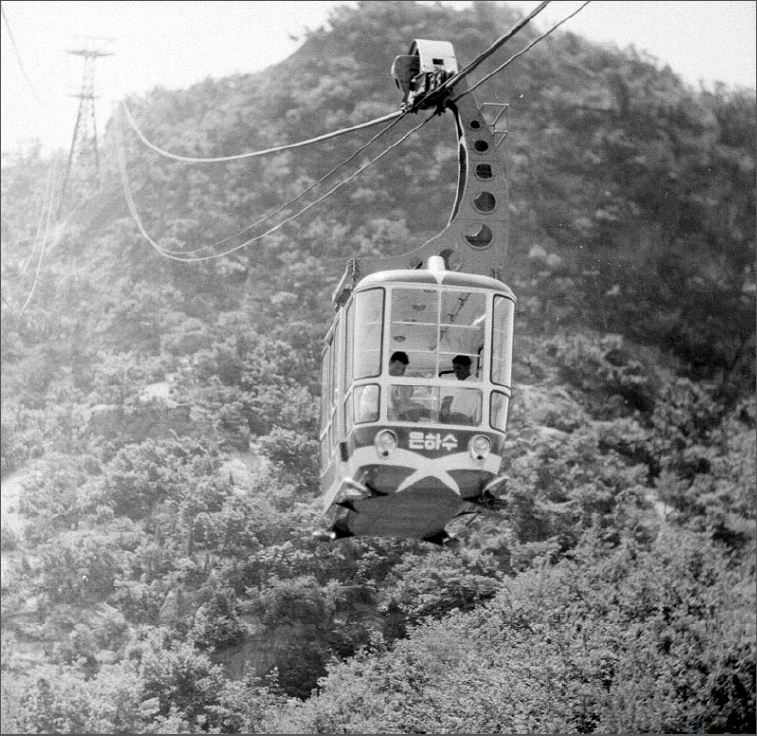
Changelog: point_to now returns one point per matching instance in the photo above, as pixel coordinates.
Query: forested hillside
(159, 414)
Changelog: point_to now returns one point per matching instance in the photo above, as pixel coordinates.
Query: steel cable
(254, 154)
(18, 56)
(520, 53)
(50, 197)
(289, 203)
(135, 214)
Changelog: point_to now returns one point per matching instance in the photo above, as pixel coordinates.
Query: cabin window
(413, 403)
(348, 421)
(461, 334)
(432, 329)
(498, 410)
(502, 340)
(325, 451)
(442, 334)
(349, 343)
(369, 319)
(415, 319)
(337, 358)
(349, 338)
(334, 385)
(460, 406)
(367, 403)
(410, 402)
(325, 386)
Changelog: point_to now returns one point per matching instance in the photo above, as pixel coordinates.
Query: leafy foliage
(638, 638)
(160, 418)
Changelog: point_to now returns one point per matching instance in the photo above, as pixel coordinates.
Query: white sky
(176, 43)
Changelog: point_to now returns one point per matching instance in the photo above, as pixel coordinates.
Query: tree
(634, 638)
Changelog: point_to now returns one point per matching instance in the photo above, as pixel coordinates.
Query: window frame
(357, 334)
(508, 341)
(495, 393)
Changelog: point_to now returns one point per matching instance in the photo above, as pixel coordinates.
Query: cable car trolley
(416, 372)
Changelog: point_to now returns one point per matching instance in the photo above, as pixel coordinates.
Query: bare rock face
(546, 406)
(155, 419)
(264, 648)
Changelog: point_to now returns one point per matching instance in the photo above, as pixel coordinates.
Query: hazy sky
(175, 44)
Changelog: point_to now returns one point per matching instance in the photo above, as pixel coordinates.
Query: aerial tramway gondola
(417, 362)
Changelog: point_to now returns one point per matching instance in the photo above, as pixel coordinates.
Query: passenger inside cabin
(401, 404)
(461, 367)
(460, 406)
(398, 363)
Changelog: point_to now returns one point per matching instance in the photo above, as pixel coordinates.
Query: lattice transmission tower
(83, 168)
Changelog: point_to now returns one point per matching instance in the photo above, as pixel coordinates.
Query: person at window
(401, 404)
(461, 367)
(460, 406)
(398, 363)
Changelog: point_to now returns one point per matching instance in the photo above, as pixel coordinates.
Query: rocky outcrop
(547, 406)
(153, 420)
(265, 647)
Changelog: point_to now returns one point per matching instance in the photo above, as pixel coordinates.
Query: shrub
(8, 538)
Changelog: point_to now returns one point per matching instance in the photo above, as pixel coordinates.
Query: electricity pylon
(83, 165)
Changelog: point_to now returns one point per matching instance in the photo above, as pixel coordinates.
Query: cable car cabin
(416, 366)
(416, 387)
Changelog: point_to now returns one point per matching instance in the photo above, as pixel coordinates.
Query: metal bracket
(502, 108)
(347, 283)
(422, 71)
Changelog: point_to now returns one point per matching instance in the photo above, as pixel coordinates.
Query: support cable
(50, 182)
(289, 203)
(37, 235)
(488, 52)
(135, 214)
(255, 154)
(520, 53)
(44, 210)
(18, 56)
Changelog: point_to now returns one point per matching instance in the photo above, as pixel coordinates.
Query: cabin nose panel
(419, 511)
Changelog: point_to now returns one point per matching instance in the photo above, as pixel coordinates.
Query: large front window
(412, 402)
(436, 334)
(441, 359)
(437, 329)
